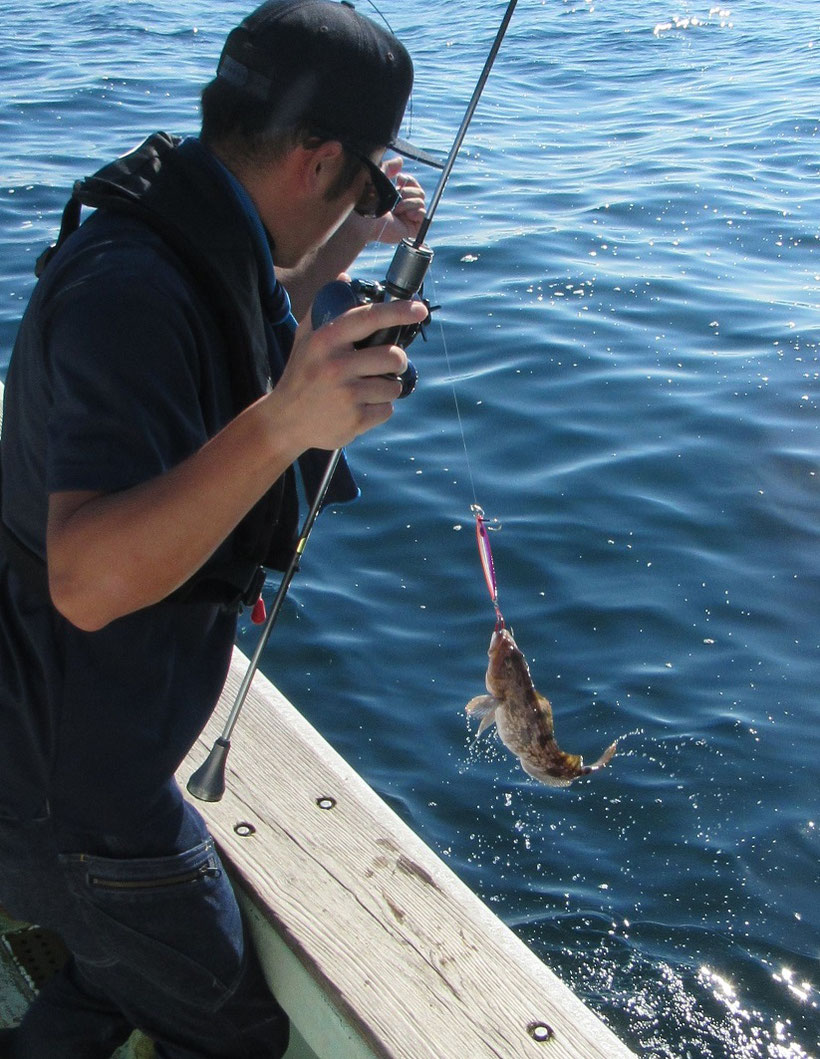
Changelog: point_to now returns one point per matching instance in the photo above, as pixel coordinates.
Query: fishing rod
(403, 281)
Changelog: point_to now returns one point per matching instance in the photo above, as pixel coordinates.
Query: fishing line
(482, 527)
(404, 280)
(409, 111)
(381, 15)
(452, 381)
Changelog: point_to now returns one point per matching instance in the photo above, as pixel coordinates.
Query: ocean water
(624, 373)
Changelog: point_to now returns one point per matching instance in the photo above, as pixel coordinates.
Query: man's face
(328, 208)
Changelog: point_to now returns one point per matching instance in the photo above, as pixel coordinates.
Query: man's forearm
(112, 554)
(341, 250)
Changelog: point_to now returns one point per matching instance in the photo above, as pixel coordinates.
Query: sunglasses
(380, 196)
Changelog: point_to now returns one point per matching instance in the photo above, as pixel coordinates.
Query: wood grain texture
(416, 963)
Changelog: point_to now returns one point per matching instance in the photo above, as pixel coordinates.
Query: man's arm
(342, 249)
(110, 554)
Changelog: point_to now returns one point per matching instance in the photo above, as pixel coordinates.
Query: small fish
(523, 718)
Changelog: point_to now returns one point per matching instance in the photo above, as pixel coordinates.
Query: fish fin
(484, 706)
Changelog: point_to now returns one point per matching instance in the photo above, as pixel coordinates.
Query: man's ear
(322, 164)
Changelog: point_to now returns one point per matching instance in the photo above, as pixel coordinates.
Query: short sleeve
(122, 354)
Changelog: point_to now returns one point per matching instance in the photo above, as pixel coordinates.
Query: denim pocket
(172, 921)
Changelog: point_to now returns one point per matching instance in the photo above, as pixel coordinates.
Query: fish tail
(606, 757)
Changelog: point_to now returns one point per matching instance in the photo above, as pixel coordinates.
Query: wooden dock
(371, 942)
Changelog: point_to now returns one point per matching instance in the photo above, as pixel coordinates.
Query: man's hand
(111, 554)
(342, 249)
(405, 220)
(331, 391)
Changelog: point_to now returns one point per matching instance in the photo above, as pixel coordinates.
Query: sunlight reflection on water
(627, 263)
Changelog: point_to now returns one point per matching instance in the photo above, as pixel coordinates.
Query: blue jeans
(157, 944)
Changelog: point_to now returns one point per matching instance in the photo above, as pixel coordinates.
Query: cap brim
(416, 153)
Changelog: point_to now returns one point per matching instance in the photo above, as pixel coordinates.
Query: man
(158, 398)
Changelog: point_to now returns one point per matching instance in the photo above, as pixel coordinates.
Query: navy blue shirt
(119, 373)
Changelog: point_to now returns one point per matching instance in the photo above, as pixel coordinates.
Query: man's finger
(359, 323)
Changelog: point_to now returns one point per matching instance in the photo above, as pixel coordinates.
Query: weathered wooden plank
(411, 959)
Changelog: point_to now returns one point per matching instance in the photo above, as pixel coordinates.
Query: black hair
(244, 131)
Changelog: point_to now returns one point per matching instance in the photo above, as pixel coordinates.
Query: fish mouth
(498, 638)
(502, 647)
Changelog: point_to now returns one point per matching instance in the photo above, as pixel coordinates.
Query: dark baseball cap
(322, 64)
